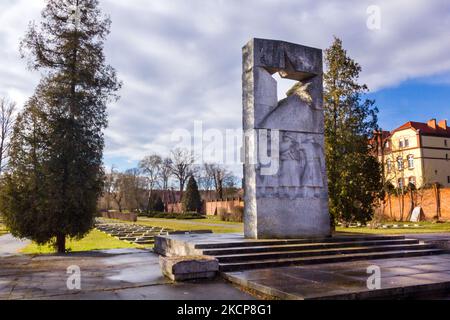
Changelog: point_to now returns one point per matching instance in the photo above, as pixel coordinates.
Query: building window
(400, 163)
(445, 143)
(411, 162)
(406, 143)
(400, 143)
(400, 183)
(448, 179)
(389, 166)
(412, 180)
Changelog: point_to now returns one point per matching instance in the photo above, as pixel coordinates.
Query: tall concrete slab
(285, 182)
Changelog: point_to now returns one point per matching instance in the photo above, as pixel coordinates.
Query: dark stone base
(322, 268)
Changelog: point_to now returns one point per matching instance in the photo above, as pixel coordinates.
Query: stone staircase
(139, 234)
(132, 233)
(236, 256)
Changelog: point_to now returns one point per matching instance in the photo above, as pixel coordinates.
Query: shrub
(179, 216)
(236, 215)
(188, 216)
(159, 205)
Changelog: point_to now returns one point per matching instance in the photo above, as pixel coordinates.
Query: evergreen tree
(354, 174)
(155, 203)
(159, 205)
(55, 174)
(191, 201)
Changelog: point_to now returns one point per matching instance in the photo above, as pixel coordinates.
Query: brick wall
(174, 207)
(210, 208)
(425, 199)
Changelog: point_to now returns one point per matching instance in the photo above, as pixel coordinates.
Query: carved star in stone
(301, 90)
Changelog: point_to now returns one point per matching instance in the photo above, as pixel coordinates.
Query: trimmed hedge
(236, 215)
(179, 216)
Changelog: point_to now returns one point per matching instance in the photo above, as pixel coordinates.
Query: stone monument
(285, 182)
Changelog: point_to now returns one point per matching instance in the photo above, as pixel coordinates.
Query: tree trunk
(220, 191)
(438, 200)
(390, 205)
(400, 205)
(149, 200)
(181, 186)
(412, 202)
(403, 206)
(61, 243)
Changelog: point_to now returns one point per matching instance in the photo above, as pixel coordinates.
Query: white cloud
(180, 60)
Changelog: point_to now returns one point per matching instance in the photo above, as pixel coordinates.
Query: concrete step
(132, 239)
(271, 263)
(319, 252)
(259, 243)
(306, 246)
(144, 242)
(145, 238)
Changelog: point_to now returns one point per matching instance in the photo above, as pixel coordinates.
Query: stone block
(183, 268)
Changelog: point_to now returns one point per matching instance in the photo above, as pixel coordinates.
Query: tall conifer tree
(55, 174)
(354, 174)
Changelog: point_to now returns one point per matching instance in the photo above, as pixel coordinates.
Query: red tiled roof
(424, 129)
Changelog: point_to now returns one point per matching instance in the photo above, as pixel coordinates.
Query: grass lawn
(95, 240)
(195, 224)
(426, 227)
(2, 228)
(216, 219)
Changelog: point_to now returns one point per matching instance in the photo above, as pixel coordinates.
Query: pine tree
(191, 201)
(354, 174)
(55, 174)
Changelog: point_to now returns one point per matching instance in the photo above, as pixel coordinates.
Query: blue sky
(418, 99)
(180, 60)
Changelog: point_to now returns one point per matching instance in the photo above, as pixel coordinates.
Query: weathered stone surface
(286, 193)
(400, 278)
(182, 268)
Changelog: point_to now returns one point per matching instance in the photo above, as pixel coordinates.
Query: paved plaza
(122, 274)
(425, 277)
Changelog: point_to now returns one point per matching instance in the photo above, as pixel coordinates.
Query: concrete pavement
(10, 246)
(105, 275)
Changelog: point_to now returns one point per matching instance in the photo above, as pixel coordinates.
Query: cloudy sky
(180, 60)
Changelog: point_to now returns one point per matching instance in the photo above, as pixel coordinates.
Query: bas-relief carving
(301, 160)
(300, 170)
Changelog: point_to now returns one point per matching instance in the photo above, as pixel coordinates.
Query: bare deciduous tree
(182, 165)
(166, 172)
(117, 188)
(7, 118)
(150, 166)
(206, 180)
(133, 185)
(220, 177)
(108, 188)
